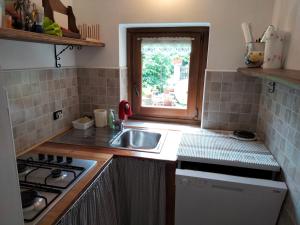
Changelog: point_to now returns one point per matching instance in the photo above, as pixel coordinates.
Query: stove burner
(244, 135)
(56, 173)
(22, 167)
(28, 198)
(43, 182)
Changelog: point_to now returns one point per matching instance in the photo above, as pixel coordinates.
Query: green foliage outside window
(158, 62)
(157, 69)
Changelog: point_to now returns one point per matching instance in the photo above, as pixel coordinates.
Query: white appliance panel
(204, 198)
(10, 203)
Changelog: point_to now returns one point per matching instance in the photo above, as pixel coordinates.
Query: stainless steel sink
(139, 140)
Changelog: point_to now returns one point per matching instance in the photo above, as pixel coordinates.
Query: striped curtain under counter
(140, 191)
(97, 205)
(127, 192)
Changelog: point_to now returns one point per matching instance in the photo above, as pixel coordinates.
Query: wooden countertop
(168, 149)
(102, 155)
(61, 207)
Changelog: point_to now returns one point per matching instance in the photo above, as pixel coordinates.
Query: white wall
(286, 17)
(19, 55)
(22, 55)
(226, 46)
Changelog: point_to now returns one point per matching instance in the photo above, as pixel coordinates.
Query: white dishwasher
(244, 194)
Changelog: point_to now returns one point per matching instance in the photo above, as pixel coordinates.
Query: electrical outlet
(58, 115)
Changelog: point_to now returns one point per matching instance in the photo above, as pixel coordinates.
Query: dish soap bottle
(111, 119)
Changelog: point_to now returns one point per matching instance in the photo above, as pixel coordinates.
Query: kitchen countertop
(191, 144)
(98, 137)
(70, 197)
(220, 148)
(94, 144)
(97, 140)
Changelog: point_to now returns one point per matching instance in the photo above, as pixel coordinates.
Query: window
(166, 72)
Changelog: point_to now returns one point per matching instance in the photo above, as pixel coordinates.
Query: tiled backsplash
(230, 101)
(98, 88)
(33, 96)
(279, 125)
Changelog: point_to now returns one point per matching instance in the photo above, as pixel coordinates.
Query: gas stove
(45, 179)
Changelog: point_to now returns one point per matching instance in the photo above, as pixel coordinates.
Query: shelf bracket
(57, 54)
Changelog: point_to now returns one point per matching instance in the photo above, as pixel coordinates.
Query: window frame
(199, 52)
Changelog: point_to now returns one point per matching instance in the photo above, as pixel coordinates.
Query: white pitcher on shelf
(274, 40)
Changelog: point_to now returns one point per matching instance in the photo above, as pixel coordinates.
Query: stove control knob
(50, 158)
(59, 159)
(69, 160)
(41, 157)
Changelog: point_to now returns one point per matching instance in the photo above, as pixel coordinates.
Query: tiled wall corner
(33, 96)
(98, 88)
(231, 101)
(279, 125)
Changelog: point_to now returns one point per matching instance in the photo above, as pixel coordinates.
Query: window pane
(165, 72)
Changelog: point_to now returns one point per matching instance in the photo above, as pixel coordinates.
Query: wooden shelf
(288, 77)
(20, 35)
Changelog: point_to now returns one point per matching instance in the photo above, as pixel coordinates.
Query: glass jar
(255, 54)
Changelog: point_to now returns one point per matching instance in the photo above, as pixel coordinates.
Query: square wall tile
(98, 88)
(33, 96)
(231, 93)
(279, 125)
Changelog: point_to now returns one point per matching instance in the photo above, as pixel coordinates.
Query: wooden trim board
(288, 77)
(20, 35)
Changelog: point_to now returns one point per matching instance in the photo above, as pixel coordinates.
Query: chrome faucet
(115, 123)
(119, 125)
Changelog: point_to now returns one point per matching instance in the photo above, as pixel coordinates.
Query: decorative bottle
(111, 119)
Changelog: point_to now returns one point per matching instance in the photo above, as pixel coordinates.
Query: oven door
(204, 198)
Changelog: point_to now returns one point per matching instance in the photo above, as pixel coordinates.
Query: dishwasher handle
(226, 188)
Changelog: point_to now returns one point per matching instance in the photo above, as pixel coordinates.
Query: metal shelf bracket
(57, 54)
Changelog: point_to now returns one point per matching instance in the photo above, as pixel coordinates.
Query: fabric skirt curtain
(140, 191)
(96, 206)
(127, 192)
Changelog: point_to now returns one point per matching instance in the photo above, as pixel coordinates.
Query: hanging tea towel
(274, 49)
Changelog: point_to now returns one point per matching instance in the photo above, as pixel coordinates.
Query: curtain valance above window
(167, 44)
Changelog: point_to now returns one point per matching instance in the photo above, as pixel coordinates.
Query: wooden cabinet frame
(198, 62)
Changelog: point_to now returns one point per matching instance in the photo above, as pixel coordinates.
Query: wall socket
(57, 115)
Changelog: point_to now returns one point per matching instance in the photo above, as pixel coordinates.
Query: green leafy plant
(157, 69)
(51, 28)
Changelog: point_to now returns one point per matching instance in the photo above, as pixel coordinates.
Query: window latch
(136, 90)
(197, 113)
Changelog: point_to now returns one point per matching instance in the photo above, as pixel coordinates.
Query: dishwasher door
(204, 198)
